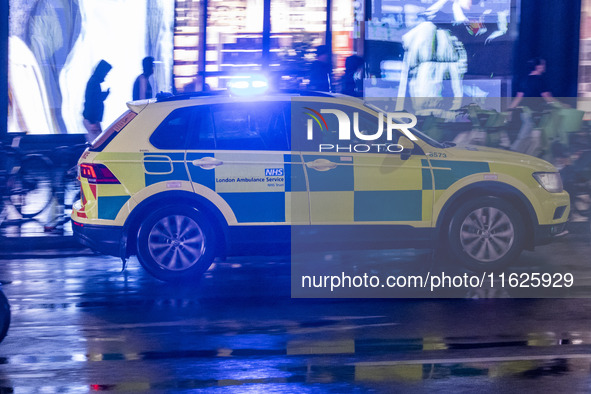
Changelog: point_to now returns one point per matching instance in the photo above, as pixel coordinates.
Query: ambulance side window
(233, 130)
(270, 120)
(202, 133)
(249, 126)
(172, 132)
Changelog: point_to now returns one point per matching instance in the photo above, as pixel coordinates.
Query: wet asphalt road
(80, 325)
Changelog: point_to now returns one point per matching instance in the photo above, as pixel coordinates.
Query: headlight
(550, 181)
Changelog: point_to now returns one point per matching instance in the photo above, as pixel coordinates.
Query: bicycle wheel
(581, 200)
(71, 186)
(4, 316)
(31, 187)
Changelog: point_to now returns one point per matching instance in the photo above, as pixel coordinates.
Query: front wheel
(176, 244)
(486, 234)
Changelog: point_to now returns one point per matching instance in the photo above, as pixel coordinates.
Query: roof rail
(213, 93)
(185, 96)
(302, 92)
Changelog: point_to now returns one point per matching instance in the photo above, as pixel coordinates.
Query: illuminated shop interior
(242, 37)
(480, 49)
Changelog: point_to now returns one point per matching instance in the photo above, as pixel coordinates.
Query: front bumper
(544, 234)
(103, 239)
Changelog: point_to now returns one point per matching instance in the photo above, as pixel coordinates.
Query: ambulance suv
(182, 180)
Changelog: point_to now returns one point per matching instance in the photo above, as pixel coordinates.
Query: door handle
(207, 163)
(321, 165)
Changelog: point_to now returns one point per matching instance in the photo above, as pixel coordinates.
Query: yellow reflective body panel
(263, 188)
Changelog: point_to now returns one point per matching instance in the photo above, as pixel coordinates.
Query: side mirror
(407, 147)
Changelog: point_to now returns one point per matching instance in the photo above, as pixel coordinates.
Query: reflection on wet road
(79, 325)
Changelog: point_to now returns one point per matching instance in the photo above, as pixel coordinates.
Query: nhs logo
(273, 171)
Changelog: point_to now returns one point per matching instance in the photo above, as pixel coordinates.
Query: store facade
(411, 48)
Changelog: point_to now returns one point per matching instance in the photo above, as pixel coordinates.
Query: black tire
(176, 244)
(4, 316)
(486, 234)
(31, 187)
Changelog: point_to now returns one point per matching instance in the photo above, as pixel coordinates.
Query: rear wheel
(486, 234)
(176, 244)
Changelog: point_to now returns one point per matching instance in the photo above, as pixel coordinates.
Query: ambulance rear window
(107, 135)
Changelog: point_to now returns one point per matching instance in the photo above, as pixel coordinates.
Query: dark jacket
(94, 97)
(320, 78)
(137, 90)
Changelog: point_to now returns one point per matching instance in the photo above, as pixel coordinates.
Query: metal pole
(266, 56)
(328, 37)
(3, 68)
(203, 43)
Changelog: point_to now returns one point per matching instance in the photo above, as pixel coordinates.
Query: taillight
(97, 173)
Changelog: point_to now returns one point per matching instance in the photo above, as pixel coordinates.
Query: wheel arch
(493, 189)
(172, 198)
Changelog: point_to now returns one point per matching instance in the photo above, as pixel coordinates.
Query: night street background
(80, 325)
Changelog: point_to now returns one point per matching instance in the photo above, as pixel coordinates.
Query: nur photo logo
(393, 121)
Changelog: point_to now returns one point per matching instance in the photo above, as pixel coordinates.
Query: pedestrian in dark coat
(94, 98)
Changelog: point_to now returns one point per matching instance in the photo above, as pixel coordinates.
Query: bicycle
(477, 126)
(576, 174)
(4, 315)
(67, 184)
(25, 182)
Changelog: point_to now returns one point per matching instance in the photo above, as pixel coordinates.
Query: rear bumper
(103, 239)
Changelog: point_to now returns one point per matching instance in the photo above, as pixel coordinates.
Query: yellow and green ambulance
(181, 180)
